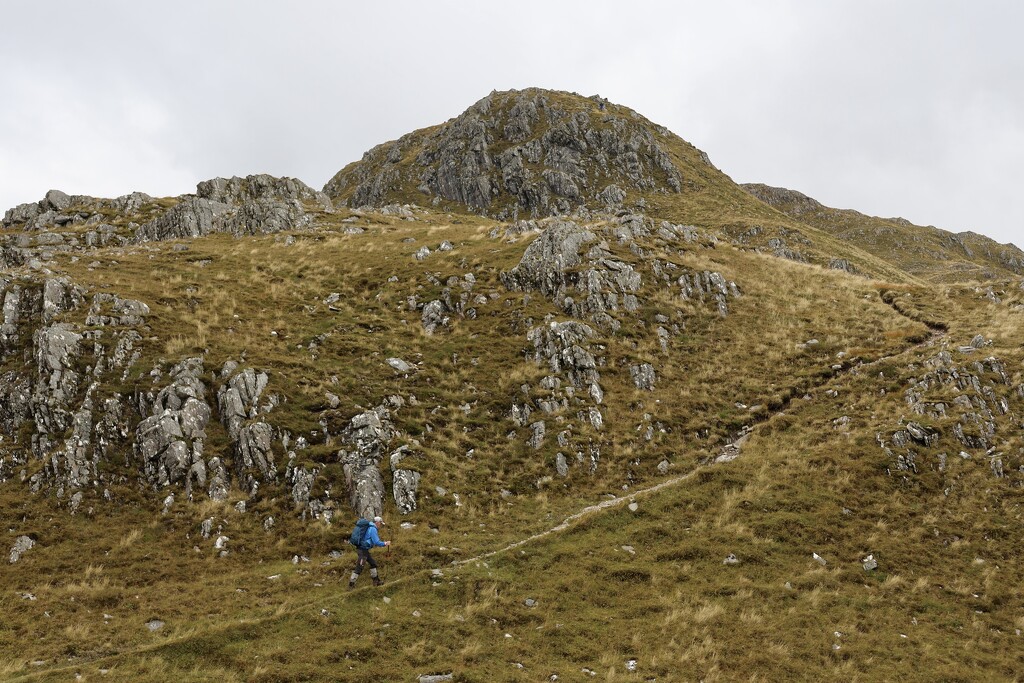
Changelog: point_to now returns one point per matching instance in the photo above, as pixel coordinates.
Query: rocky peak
(535, 151)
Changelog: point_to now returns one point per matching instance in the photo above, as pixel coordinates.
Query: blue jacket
(372, 537)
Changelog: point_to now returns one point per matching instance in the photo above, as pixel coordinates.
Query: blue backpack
(358, 537)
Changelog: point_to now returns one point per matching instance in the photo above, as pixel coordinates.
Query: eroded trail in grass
(729, 452)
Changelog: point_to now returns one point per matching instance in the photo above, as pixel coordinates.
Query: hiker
(364, 537)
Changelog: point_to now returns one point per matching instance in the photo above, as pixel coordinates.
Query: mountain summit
(533, 152)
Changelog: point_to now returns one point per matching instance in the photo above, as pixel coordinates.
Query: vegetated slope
(201, 393)
(928, 252)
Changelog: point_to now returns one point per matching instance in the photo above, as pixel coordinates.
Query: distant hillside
(927, 252)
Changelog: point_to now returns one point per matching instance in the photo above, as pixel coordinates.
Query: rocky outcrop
(60, 210)
(590, 285)
(169, 443)
(404, 481)
(533, 151)
(239, 399)
(191, 217)
(643, 376)
(258, 204)
(962, 406)
(366, 438)
(708, 286)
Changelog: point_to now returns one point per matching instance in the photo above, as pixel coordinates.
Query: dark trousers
(363, 557)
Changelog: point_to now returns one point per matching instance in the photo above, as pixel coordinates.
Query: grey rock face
(537, 435)
(239, 399)
(56, 348)
(192, 217)
(590, 285)
(110, 309)
(254, 456)
(366, 437)
(169, 443)
(253, 205)
(261, 187)
(563, 346)
(302, 481)
(22, 544)
(59, 296)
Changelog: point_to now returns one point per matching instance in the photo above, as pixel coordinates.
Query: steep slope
(928, 252)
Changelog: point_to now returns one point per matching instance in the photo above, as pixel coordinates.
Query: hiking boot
(351, 585)
(377, 582)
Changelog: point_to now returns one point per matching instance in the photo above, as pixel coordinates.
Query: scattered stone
(629, 549)
(154, 624)
(530, 602)
(869, 563)
(731, 559)
(633, 507)
(819, 559)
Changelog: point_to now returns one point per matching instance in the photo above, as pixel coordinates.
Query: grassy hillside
(928, 252)
(676, 434)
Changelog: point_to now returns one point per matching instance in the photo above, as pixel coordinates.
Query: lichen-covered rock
(57, 348)
(110, 309)
(563, 346)
(191, 217)
(260, 187)
(706, 285)
(59, 296)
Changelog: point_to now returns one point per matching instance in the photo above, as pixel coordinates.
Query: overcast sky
(893, 108)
